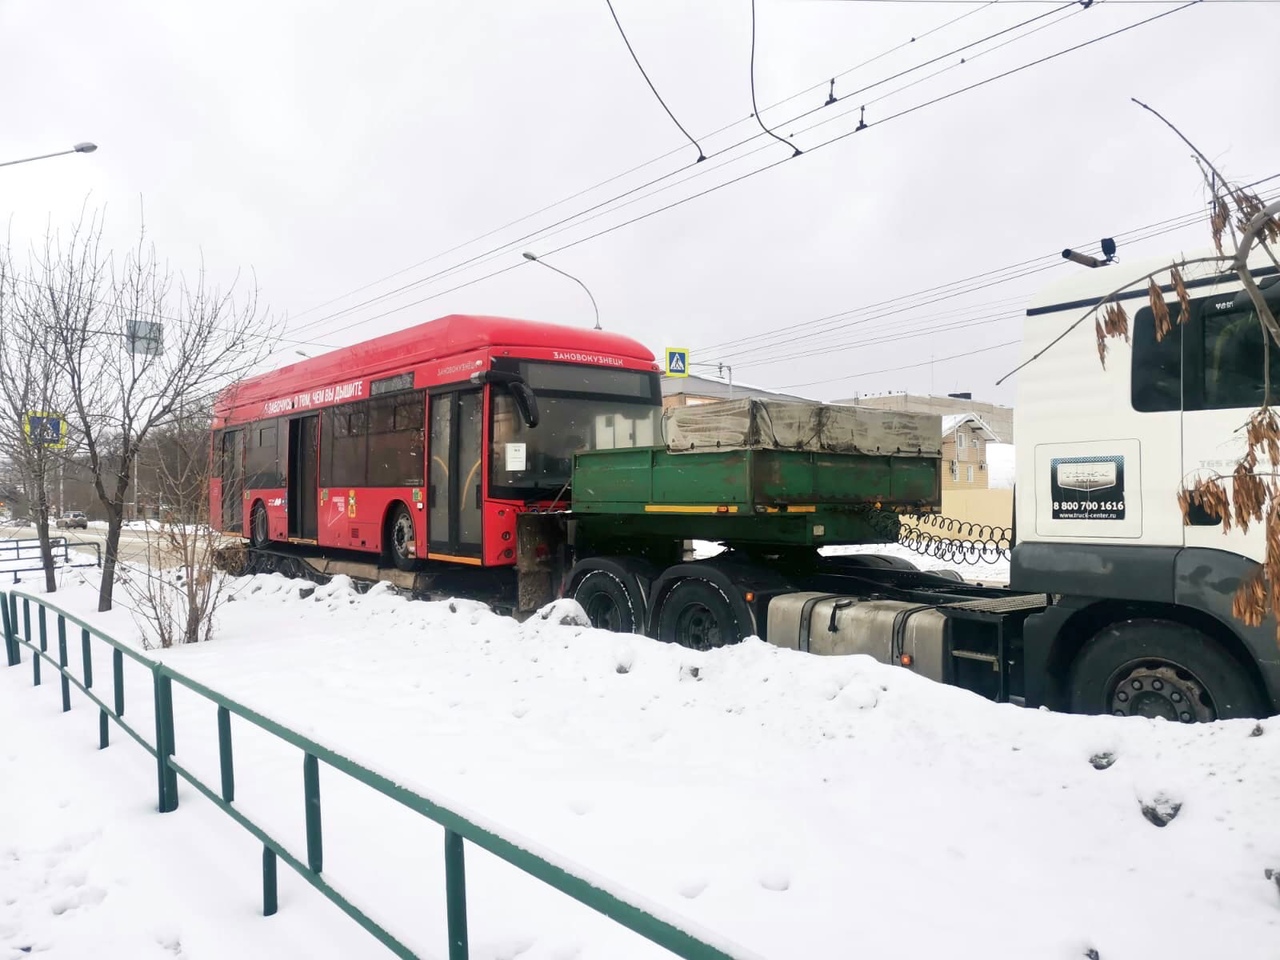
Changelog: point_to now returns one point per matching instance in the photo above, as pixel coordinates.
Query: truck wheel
(608, 604)
(258, 526)
(1160, 668)
(400, 539)
(697, 615)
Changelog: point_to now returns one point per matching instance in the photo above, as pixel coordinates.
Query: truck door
(1223, 383)
(456, 475)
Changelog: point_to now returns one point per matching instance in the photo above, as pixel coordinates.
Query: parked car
(73, 518)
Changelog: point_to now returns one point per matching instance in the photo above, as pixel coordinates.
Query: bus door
(233, 481)
(304, 477)
(455, 478)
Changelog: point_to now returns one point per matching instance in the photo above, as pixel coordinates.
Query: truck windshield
(580, 408)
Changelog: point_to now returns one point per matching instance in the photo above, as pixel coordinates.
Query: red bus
(425, 444)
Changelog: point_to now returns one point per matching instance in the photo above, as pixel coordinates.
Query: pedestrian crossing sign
(677, 362)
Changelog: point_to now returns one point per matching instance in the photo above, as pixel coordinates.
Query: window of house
(959, 440)
(968, 473)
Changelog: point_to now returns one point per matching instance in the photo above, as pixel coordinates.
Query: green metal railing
(310, 867)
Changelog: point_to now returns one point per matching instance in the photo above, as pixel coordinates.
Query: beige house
(964, 451)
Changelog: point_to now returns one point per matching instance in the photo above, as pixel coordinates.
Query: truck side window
(1156, 381)
(1234, 344)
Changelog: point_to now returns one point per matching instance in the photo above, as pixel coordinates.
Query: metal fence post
(10, 641)
(117, 680)
(224, 755)
(270, 895)
(62, 663)
(311, 792)
(13, 627)
(86, 657)
(44, 628)
(166, 776)
(455, 885)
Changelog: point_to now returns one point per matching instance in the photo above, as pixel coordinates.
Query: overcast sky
(326, 146)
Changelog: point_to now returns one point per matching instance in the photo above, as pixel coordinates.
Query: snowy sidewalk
(806, 807)
(89, 869)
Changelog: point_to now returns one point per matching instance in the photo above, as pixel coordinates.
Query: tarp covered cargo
(793, 425)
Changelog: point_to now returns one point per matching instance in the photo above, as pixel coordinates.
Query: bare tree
(181, 592)
(32, 393)
(137, 343)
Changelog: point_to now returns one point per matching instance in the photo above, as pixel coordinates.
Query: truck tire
(1161, 668)
(608, 603)
(258, 536)
(696, 614)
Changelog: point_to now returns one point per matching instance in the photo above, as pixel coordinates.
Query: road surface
(136, 546)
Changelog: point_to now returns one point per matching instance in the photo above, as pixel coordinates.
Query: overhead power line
(905, 366)
(795, 96)
(640, 67)
(595, 211)
(755, 109)
(792, 334)
(751, 173)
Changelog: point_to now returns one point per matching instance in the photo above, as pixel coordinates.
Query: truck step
(990, 658)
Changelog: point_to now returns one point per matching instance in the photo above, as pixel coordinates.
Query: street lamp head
(85, 147)
(529, 256)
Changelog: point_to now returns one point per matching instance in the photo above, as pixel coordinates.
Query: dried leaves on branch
(1248, 495)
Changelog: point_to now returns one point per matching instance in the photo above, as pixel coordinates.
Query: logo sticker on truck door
(1087, 488)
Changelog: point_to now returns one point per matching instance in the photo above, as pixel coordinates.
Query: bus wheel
(607, 602)
(258, 536)
(1160, 668)
(697, 615)
(401, 540)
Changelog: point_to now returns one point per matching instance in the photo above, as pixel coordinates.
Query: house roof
(952, 421)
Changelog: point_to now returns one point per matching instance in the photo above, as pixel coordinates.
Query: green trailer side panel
(712, 477)
(619, 481)
(757, 496)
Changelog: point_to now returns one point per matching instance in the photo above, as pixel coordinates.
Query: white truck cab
(1144, 608)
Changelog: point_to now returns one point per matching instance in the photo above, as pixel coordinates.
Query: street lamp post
(534, 259)
(78, 148)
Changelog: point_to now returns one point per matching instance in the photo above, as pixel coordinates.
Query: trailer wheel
(607, 602)
(258, 535)
(1160, 668)
(400, 539)
(697, 615)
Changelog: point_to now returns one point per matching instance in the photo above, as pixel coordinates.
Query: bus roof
(434, 340)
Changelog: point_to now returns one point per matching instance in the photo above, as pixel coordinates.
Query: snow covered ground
(802, 807)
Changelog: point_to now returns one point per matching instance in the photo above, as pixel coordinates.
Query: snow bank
(805, 807)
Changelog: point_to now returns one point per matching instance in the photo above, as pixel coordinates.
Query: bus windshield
(580, 408)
